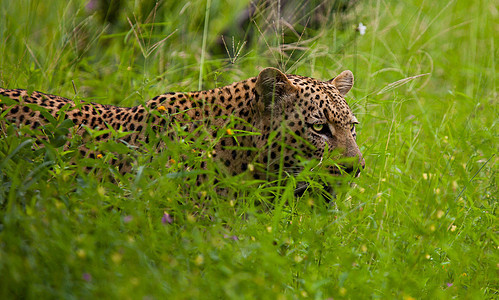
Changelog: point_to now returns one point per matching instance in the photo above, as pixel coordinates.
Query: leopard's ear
(273, 85)
(343, 82)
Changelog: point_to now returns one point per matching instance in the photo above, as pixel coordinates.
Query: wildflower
(464, 274)
(232, 237)
(101, 191)
(172, 161)
(361, 28)
(251, 167)
(166, 218)
(116, 257)
(99, 156)
(229, 131)
(127, 219)
(87, 277)
(449, 284)
(440, 214)
(343, 291)
(432, 227)
(191, 218)
(453, 228)
(81, 253)
(162, 108)
(199, 260)
(269, 229)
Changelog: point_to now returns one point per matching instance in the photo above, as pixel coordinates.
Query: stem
(203, 47)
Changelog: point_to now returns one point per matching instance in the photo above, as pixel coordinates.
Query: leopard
(291, 118)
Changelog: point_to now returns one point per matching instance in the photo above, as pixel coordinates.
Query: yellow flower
(162, 108)
(172, 161)
(101, 191)
(229, 131)
(199, 260)
(191, 218)
(81, 253)
(99, 155)
(116, 257)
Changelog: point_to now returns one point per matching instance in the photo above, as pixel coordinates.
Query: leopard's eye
(318, 127)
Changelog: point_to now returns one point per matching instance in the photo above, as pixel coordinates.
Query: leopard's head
(318, 121)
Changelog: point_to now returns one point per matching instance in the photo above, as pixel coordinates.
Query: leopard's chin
(327, 193)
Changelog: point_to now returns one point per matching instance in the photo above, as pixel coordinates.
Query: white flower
(361, 28)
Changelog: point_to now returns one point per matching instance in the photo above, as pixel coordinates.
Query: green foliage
(420, 222)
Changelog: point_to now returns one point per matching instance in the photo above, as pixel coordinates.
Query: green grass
(421, 221)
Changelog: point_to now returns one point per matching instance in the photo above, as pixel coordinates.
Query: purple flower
(87, 277)
(92, 5)
(449, 284)
(233, 237)
(166, 218)
(127, 219)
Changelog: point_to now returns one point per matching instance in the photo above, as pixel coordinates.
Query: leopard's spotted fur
(314, 112)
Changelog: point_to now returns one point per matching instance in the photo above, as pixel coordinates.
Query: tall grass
(420, 222)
